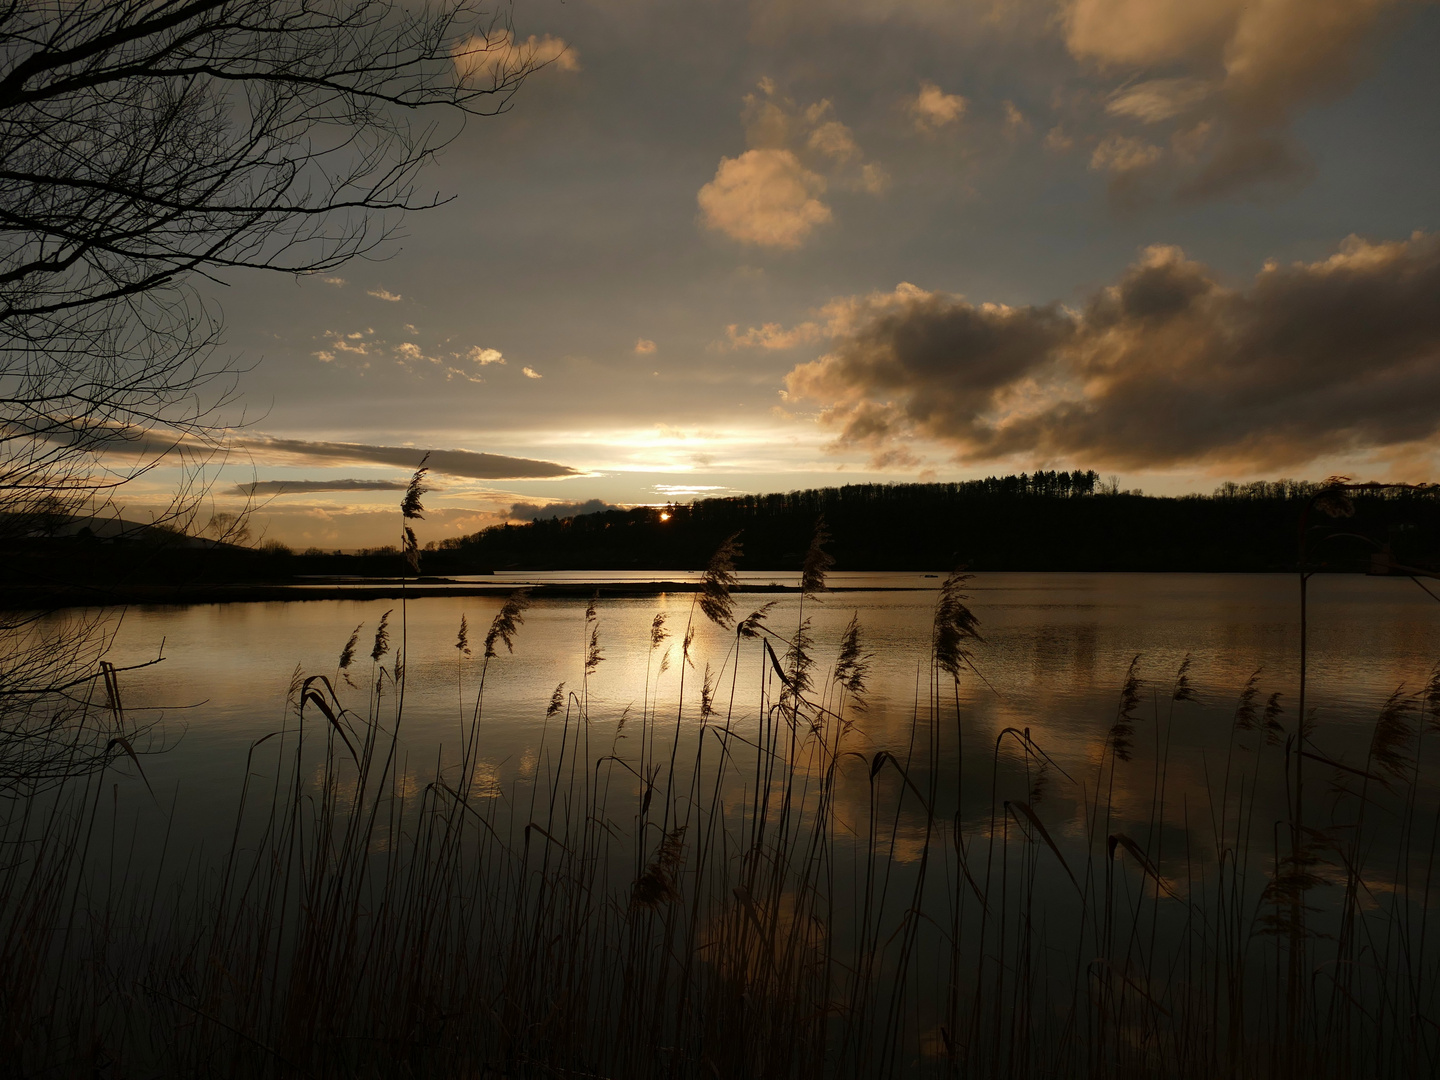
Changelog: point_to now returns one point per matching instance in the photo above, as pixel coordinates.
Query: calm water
(1056, 650)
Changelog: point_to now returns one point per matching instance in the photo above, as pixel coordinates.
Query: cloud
(1248, 66)
(467, 463)
(499, 59)
(1167, 367)
(1121, 153)
(1141, 32)
(531, 373)
(773, 336)
(260, 449)
(1057, 141)
(771, 195)
(1015, 121)
(337, 281)
(1157, 100)
(356, 343)
(644, 346)
(933, 109)
(523, 511)
(679, 491)
(419, 360)
(384, 294)
(297, 487)
(764, 197)
(834, 140)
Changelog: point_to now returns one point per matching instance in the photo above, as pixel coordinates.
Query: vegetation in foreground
(743, 893)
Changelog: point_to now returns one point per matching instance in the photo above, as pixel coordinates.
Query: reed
(750, 891)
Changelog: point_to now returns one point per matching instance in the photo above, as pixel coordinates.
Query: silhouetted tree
(148, 144)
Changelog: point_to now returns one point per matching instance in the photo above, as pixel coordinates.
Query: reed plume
(853, 664)
(411, 508)
(657, 885)
(954, 626)
(1246, 710)
(817, 561)
(347, 654)
(557, 701)
(1390, 742)
(719, 578)
(506, 622)
(1274, 730)
(1122, 731)
(382, 637)
(1183, 690)
(752, 624)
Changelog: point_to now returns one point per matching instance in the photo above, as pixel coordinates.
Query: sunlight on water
(1056, 650)
(1143, 848)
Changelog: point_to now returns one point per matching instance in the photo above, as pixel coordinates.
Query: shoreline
(43, 598)
(183, 595)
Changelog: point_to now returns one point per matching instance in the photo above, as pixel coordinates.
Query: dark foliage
(1044, 521)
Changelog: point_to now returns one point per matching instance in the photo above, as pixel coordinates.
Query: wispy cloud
(773, 336)
(384, 294)
(1243, 71)
(531, 373)
(299, 487)
(468, 463)
(355, 343)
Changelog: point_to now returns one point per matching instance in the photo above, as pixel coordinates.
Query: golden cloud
(764, 197)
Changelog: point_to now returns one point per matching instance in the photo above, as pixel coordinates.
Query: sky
(718, 248)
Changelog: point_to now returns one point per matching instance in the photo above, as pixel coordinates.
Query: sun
(664, 515)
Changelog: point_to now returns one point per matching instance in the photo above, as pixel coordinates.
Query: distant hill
(1040, 521)
(40, 528)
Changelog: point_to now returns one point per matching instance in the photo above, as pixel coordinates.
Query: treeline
(1040, 521)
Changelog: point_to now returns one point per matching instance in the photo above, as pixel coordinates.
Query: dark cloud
(298, 487)
(533, 512)
(119, 439)
(1249, 70)
(1166, 367)
(467, 463)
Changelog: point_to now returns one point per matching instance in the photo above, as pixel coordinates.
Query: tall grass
(746, 888)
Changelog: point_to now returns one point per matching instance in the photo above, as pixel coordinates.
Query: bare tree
(149, 145)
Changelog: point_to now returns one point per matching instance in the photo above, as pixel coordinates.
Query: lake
(1069, 853)
(1056, 650)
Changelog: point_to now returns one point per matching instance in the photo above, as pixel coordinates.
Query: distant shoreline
(181, 595)
(54, 599)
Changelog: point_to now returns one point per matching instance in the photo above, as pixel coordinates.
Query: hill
(1041, 521)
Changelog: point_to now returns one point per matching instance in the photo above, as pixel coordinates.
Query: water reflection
(804, 840)
(1056, 650)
